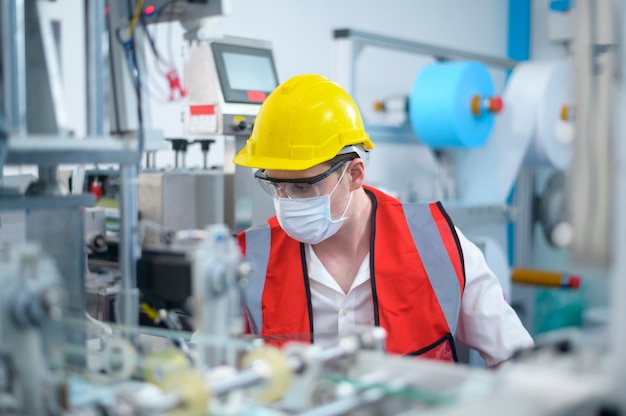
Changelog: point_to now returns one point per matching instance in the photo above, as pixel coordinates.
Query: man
(340, 255)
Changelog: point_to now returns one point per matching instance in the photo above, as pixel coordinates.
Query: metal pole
(617, 288)
(14, 65)
(524, 194)
(96, 47)
(129, 249)
(97, 44)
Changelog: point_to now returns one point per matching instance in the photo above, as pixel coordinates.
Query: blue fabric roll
(440, 105)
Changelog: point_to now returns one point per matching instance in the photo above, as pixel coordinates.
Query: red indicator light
(149, 10)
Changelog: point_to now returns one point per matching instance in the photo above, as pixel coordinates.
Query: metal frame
(53, 150)
(49, 150)
(19, 202)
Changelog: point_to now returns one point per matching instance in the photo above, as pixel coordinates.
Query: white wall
(301, 30)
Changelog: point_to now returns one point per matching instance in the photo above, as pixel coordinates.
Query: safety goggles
(296, 188)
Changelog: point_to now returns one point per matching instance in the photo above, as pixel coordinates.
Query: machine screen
(247, 74)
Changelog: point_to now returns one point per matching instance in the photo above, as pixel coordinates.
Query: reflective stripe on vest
(436, 260)
(257, 249)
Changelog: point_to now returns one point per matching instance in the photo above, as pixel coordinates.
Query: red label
(256, 96)
(202, 110)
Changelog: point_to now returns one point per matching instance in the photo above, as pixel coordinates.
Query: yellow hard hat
(305, 121)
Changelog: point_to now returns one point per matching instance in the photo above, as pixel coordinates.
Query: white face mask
(309, 220)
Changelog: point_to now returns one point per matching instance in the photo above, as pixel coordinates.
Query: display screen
(247, 74)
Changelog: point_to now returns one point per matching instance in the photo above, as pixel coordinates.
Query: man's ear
(356, 169)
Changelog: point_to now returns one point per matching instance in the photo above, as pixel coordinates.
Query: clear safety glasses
(296, 188)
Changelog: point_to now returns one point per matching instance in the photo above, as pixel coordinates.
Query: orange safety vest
(417, 279)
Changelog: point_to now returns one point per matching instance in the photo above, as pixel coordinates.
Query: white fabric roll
(529, 130)
(551, 143)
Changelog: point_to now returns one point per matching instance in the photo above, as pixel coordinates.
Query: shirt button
(344, 312)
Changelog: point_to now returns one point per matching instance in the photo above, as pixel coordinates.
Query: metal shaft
(246, 378)
(129, 245)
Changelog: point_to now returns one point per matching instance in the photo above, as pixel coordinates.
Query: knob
(491, 105)
(242, 125)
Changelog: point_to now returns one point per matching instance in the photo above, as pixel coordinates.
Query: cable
(153, 47)
(134, 70)
(170, 73)
(133, 21)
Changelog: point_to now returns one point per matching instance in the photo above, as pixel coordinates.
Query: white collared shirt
(487, 322)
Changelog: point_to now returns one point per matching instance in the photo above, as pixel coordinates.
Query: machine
(228, 79)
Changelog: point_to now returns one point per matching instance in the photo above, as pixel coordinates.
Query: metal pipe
(524, 192)
(438, 52)
(252, 376)
(333, 353)
(14, 65)
(97, 45)
(257, 374)
(247, 378)
(346, 347)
